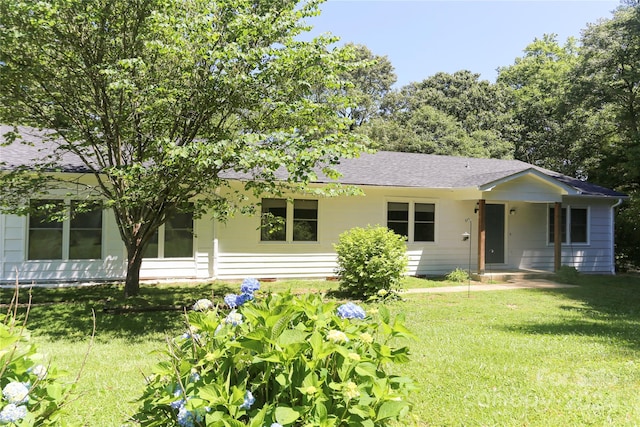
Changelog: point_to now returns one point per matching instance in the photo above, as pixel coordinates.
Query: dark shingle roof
(384, 168)
(396, 169)
(32, 149)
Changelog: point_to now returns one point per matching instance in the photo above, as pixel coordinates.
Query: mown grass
(515, 357)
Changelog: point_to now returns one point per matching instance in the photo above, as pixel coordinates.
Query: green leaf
(292, 336)
(391, 409)
(366, 369)
(286, 415)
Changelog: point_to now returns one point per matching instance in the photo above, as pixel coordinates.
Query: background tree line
(572, 107)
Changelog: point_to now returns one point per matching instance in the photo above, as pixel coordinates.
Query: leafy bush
(458, 275)
(370, 259)
(32, 393)
(567, 274)
(280, 361)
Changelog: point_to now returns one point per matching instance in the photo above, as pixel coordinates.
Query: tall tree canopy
(607, 87)
(453, 114)
(161, 97)
(369, 81)
(540, 80)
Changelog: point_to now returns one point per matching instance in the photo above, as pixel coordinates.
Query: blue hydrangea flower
(187, 418)
(177, 404)
(12, 413)
(16, 392)
(232, 300)
(351, 311)
(248, 400)
(276, 425)
(249, 285)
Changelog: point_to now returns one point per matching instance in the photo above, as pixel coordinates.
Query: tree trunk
(132, 281)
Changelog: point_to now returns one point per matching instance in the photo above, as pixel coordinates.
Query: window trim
(289, 221)
(66, 234)
(569, 241)
(412, 201)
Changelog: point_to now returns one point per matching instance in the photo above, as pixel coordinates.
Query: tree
(370, 79)
(455, 114)
(160, 98)
(607, 80)
(548, 130)
(607, 86)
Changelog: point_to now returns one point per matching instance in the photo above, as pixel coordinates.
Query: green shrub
(370, 259)
(567, 274)
(282, 361)
(458, 275)
(32, 393)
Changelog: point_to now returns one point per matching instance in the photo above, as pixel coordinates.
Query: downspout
(613, 234)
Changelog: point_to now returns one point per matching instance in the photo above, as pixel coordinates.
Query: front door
(494, 234)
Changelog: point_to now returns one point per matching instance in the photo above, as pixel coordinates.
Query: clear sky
(422, 37)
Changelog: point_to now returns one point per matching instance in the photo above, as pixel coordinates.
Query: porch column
(557, 236)
(481, 236)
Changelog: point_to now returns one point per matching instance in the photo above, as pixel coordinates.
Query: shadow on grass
(66, 313)
(608, 308)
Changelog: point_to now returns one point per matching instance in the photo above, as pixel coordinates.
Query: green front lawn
(514, 357)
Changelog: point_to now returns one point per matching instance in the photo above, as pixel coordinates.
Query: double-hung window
(282, 221)
(76, 237)
(415, 221)
(174, 239)
(574, 225)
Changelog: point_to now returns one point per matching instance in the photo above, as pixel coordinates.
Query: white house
(492, 214)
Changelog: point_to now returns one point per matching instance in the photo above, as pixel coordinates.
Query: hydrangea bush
(32, 393)
(278, 361)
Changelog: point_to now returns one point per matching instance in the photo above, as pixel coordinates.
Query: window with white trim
(174, 239)
(416, 221)
(282, 221)
(77, 237)
(574, 225)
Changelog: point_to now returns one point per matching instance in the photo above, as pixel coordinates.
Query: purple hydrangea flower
(351, 311)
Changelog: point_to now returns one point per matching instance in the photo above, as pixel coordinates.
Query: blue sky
(424, 37)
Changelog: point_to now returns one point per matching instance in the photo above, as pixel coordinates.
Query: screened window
(178, 236)
(578, 225)
(79, 237)
(573, 225)
(305, 220)
(398, 218)
(424, 222)
(174, 239)
(45, 236)
(283, 221)
(415, 221)
(274, 220)
(85, 232)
